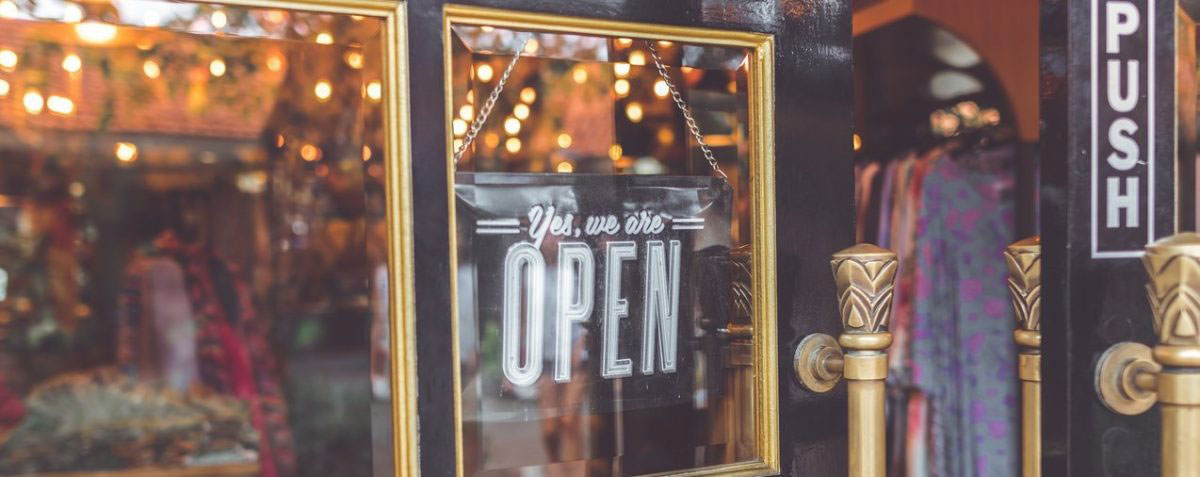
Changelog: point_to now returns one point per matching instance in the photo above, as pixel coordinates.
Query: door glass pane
(192, 241)
(573, 362)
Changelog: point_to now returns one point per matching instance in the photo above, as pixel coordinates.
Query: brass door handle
(1025, 284)
(1131, 377)
(865, 275)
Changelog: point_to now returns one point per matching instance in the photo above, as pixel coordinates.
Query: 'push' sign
(1122, 127)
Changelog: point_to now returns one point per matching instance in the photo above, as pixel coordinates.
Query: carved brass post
(1131, 377)
(1025, 284)
(865, 275)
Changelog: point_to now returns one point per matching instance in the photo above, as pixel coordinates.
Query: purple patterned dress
(963, 357)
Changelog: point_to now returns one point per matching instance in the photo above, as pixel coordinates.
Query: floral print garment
(962, 355)
(231, 348)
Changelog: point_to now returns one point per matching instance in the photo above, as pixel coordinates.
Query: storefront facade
(602, 237)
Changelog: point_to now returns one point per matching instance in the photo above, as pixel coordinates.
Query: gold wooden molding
(1024, 260)
(761, 94)
(398, 193)
(865, 275)
(1131, 377)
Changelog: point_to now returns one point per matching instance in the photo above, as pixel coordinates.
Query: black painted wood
(814, 198)
(1090, 304)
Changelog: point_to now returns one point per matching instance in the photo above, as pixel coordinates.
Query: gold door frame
(761, 94)
(398, 184)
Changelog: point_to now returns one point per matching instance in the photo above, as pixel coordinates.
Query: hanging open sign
(590, 277)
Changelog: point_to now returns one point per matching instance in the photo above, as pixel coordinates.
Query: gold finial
(1024, 260)
(1173, 264)
(865, 275)
(1131, 377)
(1025, 281)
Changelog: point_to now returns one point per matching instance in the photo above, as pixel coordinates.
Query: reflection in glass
(592, 113)
(192, 243)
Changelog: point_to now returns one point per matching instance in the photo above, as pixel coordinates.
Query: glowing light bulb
(532, 46)
(512, 145)
(624, 42)
(95, 32)
(8, 59)
(218, 19)
(512, 126)
(665, 44)
(375, 90)
(579, 75)
(125, 151)
(354, 59)
(151, 69)
(492, 140)
(217, 67)
(857, 141)
(459, 126)
(564, 140)
(72, 13)
(637, 58)
(565, 167)
(60, 105)
(615, 152)
(323, 90)
(466, 112)
(71, 63)
(528, 94)
(4, 88)
(633, 111)
(661, 89)
(366, 153)
(521, 111)
(666, 135)
(33, 102)
(324, 38)
(274, 63)
(310, 152)
(621, 87)
(8, 9)
(484, 72)
(621, 69)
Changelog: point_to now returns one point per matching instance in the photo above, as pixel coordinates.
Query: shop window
(613, 251)
(193, 240)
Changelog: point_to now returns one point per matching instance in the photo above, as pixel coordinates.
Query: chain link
(683, 108)
(486, 109)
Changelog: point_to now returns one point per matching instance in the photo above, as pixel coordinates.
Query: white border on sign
(1150, 119)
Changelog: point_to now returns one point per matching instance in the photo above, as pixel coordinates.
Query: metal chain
(486, 110)
(683, 108)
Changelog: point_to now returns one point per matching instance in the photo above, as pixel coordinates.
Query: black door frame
(1091, 303)
(813, 197)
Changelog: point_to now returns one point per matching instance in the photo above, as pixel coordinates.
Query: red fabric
(12, 408)
(232, 350)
